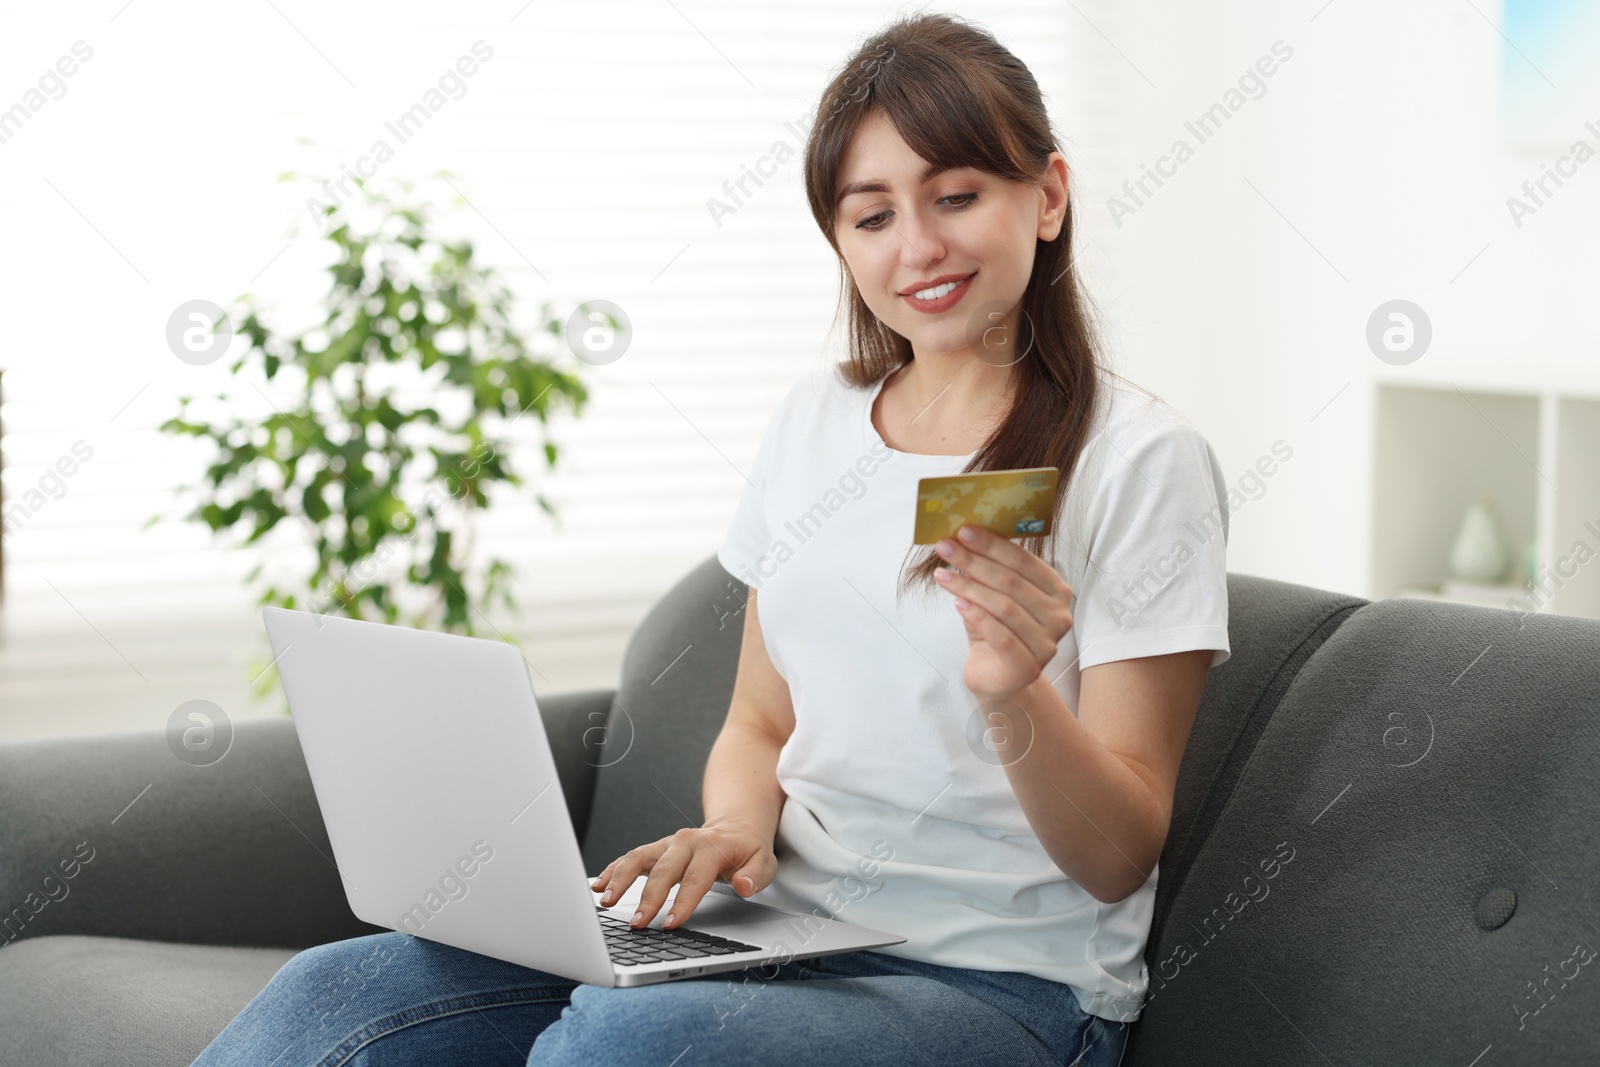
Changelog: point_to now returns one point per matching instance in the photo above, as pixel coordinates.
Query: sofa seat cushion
(88, 1001)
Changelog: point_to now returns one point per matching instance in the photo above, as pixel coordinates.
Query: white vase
(1479, 553)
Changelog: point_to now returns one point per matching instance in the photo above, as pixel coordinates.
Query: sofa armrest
(115, 836)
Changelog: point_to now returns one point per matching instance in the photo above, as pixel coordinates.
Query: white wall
(590, 144)
(1371, 168)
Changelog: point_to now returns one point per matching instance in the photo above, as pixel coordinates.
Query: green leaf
(369, 465)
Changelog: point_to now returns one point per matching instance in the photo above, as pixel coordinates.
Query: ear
(1053, 198)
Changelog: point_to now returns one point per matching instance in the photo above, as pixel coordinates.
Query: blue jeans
(392, 999)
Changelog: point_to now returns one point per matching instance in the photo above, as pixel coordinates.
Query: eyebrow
(878, 185)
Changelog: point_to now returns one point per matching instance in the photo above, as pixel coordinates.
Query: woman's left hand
(1017, 610)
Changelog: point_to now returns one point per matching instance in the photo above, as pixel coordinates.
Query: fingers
(1008, 553)
(691, 859)
(664, 875)
(620, 872)
(1007, 566)
(756, 874)
(1002, 622)
(1037, 618)
(604, 876)
(747, 870)
(996, 634)
(697, 879)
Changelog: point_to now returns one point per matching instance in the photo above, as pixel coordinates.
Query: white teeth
(937, 291)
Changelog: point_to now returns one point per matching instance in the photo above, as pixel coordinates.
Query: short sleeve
(748, 539)
(1156, 579)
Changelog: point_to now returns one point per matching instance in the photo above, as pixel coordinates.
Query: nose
(921, 243)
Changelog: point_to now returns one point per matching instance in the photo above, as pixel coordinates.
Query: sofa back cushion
(114, 836)
(1273, 628)
(670, 703)
(677, 679)
(1405, 870)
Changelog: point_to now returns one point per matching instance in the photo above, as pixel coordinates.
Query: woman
(1005, 819)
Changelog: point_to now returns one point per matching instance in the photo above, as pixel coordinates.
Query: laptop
(438, 789)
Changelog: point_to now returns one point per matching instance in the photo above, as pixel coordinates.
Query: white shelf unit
(1442, 444)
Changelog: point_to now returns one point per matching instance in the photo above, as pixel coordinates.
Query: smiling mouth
(939, 297)
(938, 291)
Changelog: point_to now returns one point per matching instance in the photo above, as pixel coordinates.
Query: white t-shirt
(898, 816)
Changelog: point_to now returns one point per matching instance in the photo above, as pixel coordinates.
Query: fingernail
(968, 534)
(638, 915)
(668, 920)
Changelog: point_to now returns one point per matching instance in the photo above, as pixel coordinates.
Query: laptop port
(674, 974)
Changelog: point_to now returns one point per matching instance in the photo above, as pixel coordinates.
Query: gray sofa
(1384, 847)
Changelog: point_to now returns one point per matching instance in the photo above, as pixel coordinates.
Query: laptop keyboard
(649, 945)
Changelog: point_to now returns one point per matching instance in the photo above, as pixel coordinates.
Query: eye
(880, 219)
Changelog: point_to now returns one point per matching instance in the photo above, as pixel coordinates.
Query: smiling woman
(1020, 745)
(940, 187)
(1003, 761)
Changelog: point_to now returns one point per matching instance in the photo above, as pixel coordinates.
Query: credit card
(1017, 503)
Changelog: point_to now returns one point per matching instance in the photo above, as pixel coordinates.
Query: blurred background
(1351, 240)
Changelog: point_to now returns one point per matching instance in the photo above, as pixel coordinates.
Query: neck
(953, 387)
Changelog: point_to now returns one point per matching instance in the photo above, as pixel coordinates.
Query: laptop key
(646, 944)
(672, 953)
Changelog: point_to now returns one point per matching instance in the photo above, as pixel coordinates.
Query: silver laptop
(439, 792)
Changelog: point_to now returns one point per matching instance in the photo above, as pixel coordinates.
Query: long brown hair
(959, 98)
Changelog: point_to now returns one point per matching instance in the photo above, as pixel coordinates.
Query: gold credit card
(1017, 503)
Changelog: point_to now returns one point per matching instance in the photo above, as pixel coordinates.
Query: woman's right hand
(691, 859)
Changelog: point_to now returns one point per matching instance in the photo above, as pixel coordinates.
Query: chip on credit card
(1018, 503)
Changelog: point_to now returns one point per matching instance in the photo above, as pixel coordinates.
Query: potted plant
(405, 397)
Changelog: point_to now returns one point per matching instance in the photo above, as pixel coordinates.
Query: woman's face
(902, 231)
